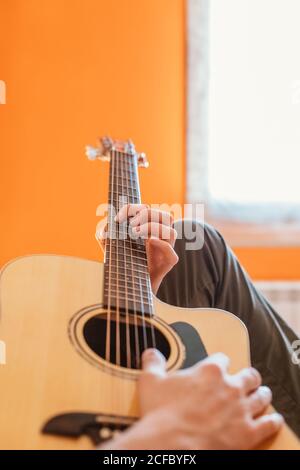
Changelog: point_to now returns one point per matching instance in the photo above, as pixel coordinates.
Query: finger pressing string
(147, 215)
(155, 229)
(129, 210)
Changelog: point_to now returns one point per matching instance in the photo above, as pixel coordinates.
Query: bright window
(251, 100)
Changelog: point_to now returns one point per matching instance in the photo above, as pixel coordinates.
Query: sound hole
(140, 338)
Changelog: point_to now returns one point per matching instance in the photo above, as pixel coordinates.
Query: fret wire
(129, 298)
(139, 261)
(120, 201)
(121, 198)
(137, 272)
(134, 279)
(129, 168)
(119, 192)
(115, 235)
(140, 255)
(127, 178)
(130, 176)
(140, 268)
(131, 183)
(126, 300)
(129, 200)
(140, 251)
(121, 260)
(129, 171)
(140, 242)
(133, 186)
(140, 272)
(127, 256)
(115, 203)
(148, 309)
(136, 335)
(131, 289)
(120, 189)
(116, 231)
(115, 293)
(130, 284)
(126, 169)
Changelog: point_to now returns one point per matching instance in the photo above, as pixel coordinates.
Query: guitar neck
(127, 284)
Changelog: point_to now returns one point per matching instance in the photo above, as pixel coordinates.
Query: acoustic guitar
(75, 329)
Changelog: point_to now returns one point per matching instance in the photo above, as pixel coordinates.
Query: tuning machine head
(106, 145)
(101, 151)
(92, 153)
(142, 160)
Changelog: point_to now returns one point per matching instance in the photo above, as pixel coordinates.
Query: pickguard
(194, 347)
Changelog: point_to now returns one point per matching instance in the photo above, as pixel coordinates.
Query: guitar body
(51, 370)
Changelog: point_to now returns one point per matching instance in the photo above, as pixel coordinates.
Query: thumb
(153, 362)
(101, 232)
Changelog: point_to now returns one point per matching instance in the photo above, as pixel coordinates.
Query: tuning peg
(142, 160)
(95, 153)
(92, 153)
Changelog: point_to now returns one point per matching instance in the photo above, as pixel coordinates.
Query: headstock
(106, 145)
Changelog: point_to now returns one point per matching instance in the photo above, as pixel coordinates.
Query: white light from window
(254, 101)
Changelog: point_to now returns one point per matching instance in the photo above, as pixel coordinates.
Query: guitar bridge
(99, 428)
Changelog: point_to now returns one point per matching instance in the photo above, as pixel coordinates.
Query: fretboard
(127, 285)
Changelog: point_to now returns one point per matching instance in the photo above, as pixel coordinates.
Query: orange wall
(76, 69)
(271, 263)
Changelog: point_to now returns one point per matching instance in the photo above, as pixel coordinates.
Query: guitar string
(108, 320)
(145, 345)
(125, 235)
(148, 290)
(116, 210)
(136, 331)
